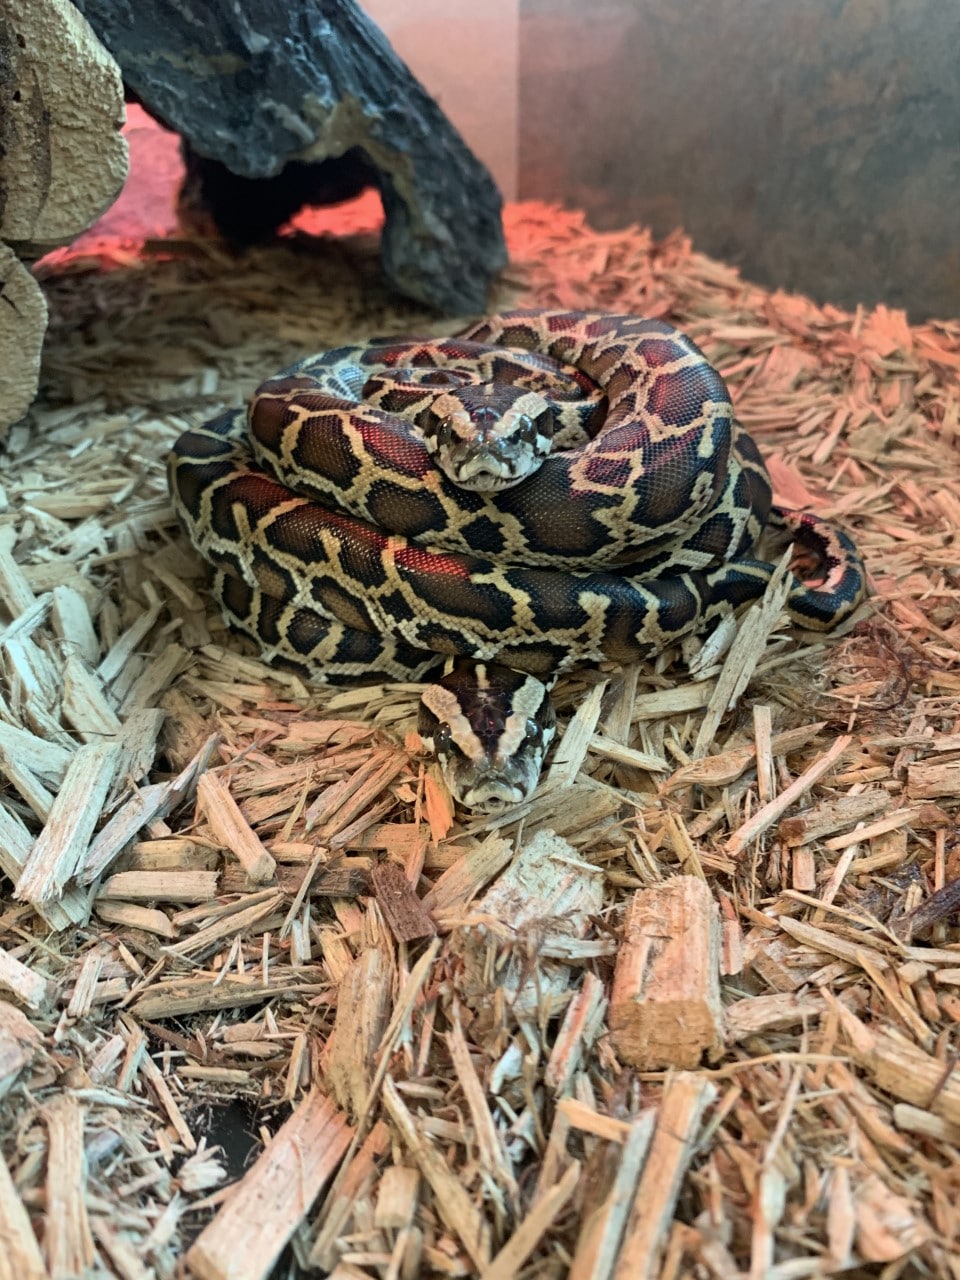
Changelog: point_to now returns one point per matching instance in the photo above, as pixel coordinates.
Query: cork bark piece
(23, 321)
(63, 159)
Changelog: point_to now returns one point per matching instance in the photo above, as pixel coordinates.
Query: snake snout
(492, 798)
(485, 786)
(486, 470)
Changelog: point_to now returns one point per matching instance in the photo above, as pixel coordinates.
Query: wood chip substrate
(693, 1011)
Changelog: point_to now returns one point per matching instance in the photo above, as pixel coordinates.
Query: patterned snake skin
(547, 488)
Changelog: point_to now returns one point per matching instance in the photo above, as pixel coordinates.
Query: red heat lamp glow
(142, 223)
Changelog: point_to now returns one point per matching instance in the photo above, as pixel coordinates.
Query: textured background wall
(465, 53)
(816, 143)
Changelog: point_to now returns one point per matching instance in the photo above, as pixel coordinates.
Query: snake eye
(534, 733)
(442, 739)
(532, 428)
(444, 432)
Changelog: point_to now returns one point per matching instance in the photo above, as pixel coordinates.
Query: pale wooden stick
(15, 845)
(755, 626)
(67, 1240)
(526, 1237)
(363, 1010)
(580, 1027)
(232, 829)
(491, 1149)
(161, 886)
(900, 1068)
(766, 816)
(64, 840)
(359, 1171)
(601, 1232)
(684, 1100)
(453, 1204)
(30, 988)
(20, 1257)
(273, 1198)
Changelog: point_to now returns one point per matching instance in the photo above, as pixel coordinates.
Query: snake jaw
(490, 728)
(489, 467)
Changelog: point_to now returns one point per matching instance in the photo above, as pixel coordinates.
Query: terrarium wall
(813, 143)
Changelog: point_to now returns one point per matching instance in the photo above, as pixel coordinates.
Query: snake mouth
(487, 470)
(494, 796)
(488, 482)
(486, 786)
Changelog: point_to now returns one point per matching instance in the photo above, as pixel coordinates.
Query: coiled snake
(575, 488)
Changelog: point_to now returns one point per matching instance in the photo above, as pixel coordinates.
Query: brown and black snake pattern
(342, 548)
(649, 469)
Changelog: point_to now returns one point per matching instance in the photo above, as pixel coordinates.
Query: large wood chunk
(546, 892)
(665, 1008)
(258, 86)
(63, 159)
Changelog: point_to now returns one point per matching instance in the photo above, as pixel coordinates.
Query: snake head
(488, 436)
(489, 728)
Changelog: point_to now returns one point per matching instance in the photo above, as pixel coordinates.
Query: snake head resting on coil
(488, 436)
(489, 728)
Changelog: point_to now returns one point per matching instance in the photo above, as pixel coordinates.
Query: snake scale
(545, 489)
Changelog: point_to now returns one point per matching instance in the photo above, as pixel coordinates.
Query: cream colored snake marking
(547, 488)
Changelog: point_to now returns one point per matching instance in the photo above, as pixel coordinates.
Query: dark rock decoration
(256, 86)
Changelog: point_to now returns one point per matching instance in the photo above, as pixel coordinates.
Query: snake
(545, 489)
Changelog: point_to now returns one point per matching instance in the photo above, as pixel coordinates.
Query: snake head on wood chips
(489, 728)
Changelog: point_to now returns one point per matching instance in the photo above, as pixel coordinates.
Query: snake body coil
(618, 507)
